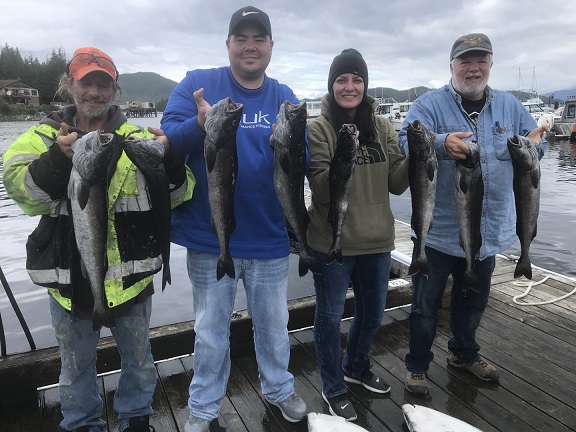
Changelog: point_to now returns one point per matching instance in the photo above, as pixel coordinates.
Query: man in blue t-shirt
(259, 245)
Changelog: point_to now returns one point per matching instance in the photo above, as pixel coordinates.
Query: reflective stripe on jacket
(36, 175)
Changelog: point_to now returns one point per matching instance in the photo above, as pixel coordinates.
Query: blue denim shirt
(502, 117)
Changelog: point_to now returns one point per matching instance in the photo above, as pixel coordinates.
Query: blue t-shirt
(260, 230)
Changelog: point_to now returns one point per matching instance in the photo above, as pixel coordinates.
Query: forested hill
(145, 87)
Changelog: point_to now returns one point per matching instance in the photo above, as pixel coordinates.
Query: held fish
(422, 419)
(222, 121)
(328, 423)
(87, 191)
(526, 184)
(289, 173)
(469, 198)
(422, 175)
(340, 183)
(148, 156)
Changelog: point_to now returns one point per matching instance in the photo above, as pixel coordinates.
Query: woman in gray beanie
(367, 235)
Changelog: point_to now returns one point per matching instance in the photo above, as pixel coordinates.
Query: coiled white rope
(530, 285)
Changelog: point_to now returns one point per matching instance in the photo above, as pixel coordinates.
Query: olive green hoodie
(380, 168)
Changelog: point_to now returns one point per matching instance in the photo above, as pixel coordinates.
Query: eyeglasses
(86, 58)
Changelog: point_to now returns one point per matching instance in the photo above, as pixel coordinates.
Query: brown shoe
(481, 368)
(416, 383)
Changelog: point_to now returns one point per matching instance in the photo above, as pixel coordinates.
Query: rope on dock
(530, 285)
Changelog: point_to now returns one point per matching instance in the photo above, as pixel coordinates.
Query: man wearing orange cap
(37, 169)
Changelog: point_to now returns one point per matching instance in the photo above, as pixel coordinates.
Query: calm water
(553, 248)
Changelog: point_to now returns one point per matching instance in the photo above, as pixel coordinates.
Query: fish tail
(308, 262)
(102, 318)
(225, 266)
(97, 321)
(470, 281)
(420, 264)
(166, 277)
(334, 254)
(523, 268)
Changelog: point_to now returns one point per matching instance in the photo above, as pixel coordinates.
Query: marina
(529, 344)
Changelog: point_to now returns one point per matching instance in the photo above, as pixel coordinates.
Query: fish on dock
(340, 183)
(87, 192)
(469, 199)
(328, 423)
(289, 173)
(422, 175)
(148, 156)
(526, 185)
(222, 121)
(422, 419)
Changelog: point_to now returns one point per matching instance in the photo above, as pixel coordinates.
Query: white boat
(387, 107)
(401, 115)
(313, 108)
(563, 127)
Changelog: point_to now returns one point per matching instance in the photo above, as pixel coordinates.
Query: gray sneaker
(482, 369)
(195, 424)
(293, 408)
(416, 383)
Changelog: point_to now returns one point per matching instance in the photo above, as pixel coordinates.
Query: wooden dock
(533, 346)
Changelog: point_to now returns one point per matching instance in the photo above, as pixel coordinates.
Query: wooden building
(18, 92)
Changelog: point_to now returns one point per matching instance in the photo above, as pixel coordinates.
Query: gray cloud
(405, 43)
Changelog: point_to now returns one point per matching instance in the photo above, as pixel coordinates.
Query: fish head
(290, 123)
(144, 150)
(223, 118)
(473, 159)
(92, 155)
(348, 137)
(524, 153)
(420, 140)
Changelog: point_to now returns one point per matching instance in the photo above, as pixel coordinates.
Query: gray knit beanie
(348, 61)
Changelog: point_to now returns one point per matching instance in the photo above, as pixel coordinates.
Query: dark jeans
(466, 308)
(369, 275)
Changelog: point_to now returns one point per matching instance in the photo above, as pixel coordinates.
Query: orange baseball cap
(88, 59)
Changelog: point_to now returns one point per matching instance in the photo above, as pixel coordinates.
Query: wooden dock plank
(307, 360)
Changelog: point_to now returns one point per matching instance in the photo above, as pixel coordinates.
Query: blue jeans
(80, 399)
(266, 283)
(369, 275)
(466, 308)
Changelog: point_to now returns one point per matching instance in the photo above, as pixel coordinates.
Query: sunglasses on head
(85, 58)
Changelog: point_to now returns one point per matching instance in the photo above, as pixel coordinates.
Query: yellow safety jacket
(36, 175)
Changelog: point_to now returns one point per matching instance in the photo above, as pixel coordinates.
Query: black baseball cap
(247, 14)
(470, 42)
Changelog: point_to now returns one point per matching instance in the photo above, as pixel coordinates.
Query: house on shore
(18, 92)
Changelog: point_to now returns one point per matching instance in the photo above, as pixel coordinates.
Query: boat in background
(562, 127)
(399, 117)
(313, 108)
(387, 107)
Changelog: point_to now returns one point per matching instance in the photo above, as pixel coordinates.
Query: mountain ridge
(153, 87)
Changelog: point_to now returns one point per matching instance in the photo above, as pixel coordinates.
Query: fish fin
(210, 156)
(463, 185)
(284, 160)
(302, 266)
(535, 178)
(523, 268)
(431, 167)
(83, 194)
(225, 266)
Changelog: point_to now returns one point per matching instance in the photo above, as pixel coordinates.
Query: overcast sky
(406, 43)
